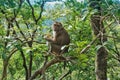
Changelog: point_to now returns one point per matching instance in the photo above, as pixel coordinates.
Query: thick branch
(42, 70)
(48, 64)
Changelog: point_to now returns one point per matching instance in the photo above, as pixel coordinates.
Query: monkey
(59, 39)
(48, 43)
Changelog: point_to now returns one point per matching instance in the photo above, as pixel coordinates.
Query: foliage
(22, 28)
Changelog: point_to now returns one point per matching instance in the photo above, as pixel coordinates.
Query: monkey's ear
(60, 24)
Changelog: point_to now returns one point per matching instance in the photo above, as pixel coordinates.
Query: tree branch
(92, 42)
(64, 75)
(20, 30)
(41, 71)
(32, 10)
(24, 64)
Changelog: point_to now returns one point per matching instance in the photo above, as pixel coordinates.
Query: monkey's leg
(55, 49)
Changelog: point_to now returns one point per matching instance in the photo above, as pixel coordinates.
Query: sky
(32, 1)
(77, 0)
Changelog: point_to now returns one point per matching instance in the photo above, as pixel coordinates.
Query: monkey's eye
(55, 25)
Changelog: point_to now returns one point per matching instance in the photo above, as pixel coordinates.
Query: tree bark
(98, 27)
(4, 73)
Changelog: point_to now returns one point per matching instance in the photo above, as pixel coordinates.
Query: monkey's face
(57, 26)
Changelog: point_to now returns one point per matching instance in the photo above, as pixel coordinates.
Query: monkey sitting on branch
(59, 42)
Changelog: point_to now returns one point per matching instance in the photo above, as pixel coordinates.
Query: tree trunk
(98, 28)
(4, 73)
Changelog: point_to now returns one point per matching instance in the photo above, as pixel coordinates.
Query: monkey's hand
(50, 39)
(47, 36)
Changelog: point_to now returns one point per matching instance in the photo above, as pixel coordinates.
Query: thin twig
(92, 42)
(64, 75)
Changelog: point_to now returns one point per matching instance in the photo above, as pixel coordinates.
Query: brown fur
(60, 38)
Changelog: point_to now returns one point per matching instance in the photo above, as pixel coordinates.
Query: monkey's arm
(53, 41)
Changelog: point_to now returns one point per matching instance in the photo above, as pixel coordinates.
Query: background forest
(23, 24)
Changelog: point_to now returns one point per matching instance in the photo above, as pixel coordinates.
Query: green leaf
(110, 2)
(4, 56)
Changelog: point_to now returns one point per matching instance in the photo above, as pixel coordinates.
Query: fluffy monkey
(59, 39)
